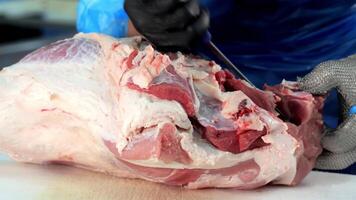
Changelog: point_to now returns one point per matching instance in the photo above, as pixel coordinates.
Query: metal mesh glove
(339, 144)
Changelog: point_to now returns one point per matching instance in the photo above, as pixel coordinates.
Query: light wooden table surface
(25, 181)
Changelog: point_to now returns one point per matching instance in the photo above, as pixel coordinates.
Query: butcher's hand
(339, 144)
(170, 25)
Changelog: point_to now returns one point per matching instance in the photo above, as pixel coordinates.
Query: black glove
(170, 25)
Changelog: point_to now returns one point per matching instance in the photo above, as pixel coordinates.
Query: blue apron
(270, 40)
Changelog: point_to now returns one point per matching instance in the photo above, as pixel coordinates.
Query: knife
(231, 67)
(221, 56)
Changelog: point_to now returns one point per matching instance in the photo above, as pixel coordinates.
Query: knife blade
(231, 67)
(228, 64)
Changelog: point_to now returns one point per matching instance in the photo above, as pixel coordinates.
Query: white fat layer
(209, 87)
(140, 110)
(148, 65)
(76, 88)
(250, 122)
(216, 180)
(232, 100)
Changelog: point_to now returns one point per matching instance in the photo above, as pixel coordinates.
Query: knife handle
(206, 38)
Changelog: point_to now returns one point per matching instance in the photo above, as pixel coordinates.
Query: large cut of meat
(120, 107)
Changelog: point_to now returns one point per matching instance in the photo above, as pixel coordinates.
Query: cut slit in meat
(222, 132)
(170, 86)
(202, 128)
(218, 130)
(265, 100)
(294, 105)
(233, 142)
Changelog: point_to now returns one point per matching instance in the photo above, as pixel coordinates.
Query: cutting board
(26, 181)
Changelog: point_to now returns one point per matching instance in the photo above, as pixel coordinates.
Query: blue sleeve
(102, 16)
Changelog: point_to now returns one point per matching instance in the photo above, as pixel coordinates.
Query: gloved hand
(170, 25)
(340, 144)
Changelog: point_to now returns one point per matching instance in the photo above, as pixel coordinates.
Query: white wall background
(59, 11)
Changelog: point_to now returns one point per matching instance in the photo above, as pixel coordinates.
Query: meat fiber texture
(122, 108)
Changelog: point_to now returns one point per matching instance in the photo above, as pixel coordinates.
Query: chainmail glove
(339, 144)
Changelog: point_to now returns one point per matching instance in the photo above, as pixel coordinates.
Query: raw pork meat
(120, 107)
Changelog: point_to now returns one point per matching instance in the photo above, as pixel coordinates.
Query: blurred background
(26, 25)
